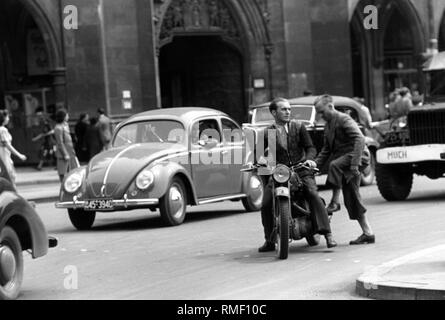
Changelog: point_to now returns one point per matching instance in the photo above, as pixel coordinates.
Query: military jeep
(417, 145)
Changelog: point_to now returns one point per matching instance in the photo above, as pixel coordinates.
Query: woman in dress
(6, 148)
(66, 156)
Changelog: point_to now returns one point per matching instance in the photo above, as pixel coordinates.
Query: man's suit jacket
(342, 136)
(297, 148)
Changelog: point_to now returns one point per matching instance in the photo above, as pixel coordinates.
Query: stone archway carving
(52, 42)
(206, 17)
(249, 16)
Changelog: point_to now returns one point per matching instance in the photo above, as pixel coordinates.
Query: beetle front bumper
(116, 204)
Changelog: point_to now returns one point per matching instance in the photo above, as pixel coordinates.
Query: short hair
(61, 115)
(274, 104)
(93, 121)
(101, 111)
(82, 116)
(3, 114)
(404, 91)
(325, 99)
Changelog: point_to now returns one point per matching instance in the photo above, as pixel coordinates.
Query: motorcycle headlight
(144, 179)
(281, 174)
(74, 181)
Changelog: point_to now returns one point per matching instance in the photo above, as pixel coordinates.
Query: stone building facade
(133, 55)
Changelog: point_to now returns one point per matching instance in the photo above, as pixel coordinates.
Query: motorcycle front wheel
(282, 219)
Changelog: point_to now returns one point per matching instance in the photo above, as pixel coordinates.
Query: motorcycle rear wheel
(282, 219)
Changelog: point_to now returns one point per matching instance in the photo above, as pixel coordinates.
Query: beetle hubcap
(256, 190)
(176, 202)
(7, 263)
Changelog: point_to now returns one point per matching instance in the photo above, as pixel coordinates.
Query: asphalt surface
(213, 255)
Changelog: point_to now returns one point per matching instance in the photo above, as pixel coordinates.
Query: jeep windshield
(436, 90)
(304, 113)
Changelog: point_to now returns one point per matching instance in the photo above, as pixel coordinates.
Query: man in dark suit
(290, 145)
(344, 141)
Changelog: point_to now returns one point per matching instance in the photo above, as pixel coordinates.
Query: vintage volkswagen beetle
(303, 109)
(166, 159)
(20, 230)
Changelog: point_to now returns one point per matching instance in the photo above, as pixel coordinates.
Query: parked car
(20, 230)
(165, 159)
(303, 109)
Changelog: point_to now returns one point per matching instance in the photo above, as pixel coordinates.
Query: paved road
(213, 255)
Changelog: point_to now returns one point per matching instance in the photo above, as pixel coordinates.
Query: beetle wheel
(368, 174)
(173, 204)
(11, 264)
(255, 193)
(82, 219)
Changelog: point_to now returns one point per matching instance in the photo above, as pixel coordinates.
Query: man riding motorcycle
(289, 143)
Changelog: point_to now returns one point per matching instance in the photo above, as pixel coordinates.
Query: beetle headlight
(74, 181)
(281, 174)
(144, 179)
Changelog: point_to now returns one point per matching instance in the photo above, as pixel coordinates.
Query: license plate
(100, 204)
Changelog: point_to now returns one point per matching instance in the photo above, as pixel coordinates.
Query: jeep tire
(394, 181)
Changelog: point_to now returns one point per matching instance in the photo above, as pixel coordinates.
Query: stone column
(59, 87)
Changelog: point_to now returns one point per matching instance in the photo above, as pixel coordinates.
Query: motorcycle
(291, 211)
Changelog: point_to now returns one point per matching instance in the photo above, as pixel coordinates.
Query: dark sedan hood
(118, 167)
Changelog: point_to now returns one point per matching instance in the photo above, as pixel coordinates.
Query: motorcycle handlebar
(253, 167)
(303, 166)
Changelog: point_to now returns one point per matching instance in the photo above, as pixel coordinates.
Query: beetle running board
(218, 199)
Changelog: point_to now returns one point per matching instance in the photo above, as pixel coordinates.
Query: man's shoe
(330, 242)
(267, 246)
(363, 239)
(332, 207)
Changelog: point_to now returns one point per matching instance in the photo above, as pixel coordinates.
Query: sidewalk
(38, 186)
(417, 276)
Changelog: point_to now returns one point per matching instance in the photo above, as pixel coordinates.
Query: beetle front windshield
(159, 131)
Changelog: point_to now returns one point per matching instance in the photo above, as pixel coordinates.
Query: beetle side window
(205, 130)
(231, 131)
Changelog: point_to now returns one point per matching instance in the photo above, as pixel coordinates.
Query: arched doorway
(441, 39)
(26, 81)
(387, 57)
(358, 57)
(401, 58)
(202, 71)
(201, 56)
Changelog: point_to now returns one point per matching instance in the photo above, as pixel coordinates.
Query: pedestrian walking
(6, 148)
(104, 128)
(92, 140)
(79, 131)
(65, 153)
(344, 142)
(44, 134)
